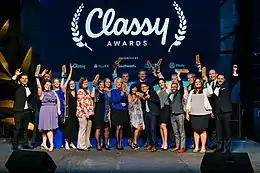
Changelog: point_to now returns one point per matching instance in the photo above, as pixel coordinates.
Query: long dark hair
(200, 89)
(131, 87)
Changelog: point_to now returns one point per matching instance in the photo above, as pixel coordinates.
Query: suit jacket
(223, 100)
(153, 103)
(150, 81)
(21, 98)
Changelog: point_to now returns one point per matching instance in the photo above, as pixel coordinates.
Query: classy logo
(80, 66)
(134, 28)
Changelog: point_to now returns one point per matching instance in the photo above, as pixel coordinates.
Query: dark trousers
(36, 122)
(21, 120)
(150, 126)
(212, 131)
(223, 130)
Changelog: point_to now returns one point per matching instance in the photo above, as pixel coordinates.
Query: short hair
(125, 73)
(100, 81)
(192, 74)
(142, 70)
(24, 74)
(144, 83)
(174, 74)
(118, 78)
(213, 70)
(162, 80)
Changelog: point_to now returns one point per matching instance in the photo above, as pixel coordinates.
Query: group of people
(134, 109)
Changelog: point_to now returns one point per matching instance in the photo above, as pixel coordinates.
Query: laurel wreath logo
(75, 29)
(182, 27)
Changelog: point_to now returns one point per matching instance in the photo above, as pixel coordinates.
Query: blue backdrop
(197, 21)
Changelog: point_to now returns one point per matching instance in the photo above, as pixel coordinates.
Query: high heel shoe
(73, 146)
(99, 148)
(107, 147)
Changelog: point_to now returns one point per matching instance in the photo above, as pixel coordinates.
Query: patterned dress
(48, 116)
(85, 103)
(136, 113)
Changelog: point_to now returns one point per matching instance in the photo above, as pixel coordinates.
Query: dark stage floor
(132, 161)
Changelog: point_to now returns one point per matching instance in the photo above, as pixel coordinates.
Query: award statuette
(198, 64)
(116, 63)
(94, 82)
(157, 66)
(203, 72)
(182, 70)
(150, 66)
(63, 71)
(38, 69)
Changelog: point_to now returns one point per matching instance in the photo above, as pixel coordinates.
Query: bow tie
(24, 86)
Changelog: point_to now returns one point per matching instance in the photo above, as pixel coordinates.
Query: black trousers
(212, 131)
(21, 120)
(223, 130)
(150, 126)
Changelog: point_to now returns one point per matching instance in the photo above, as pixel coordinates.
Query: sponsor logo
(111, 25)
(126, 66)
(79, 66)
(101, 66)
(172, 65)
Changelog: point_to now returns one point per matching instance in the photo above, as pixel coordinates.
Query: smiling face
(125, 77)
(221, 79)
(144, 88)
(101, 86)
(47, 77)
(190, 78)
(174, 79)
(119, 83)
(198, 84)
(174, 87)
(142, 75)
(134, 90)
(213, 75)
(47, 86)
(85, 84)
(72, 85)
(24, 80)
(162, 84)
(56, 83)
(107, 83)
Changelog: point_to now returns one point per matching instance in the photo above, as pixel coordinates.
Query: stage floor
(132, 161)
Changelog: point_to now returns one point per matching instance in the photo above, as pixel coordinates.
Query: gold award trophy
(150, 66)
(159, 63)
(117, 62)
(198, 64)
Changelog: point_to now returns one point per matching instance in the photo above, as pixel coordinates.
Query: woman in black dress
(100, 118)
(70, 130)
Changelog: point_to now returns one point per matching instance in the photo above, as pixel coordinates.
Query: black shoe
(99, 148)
(106, 147)
(135, 146)
(28, 146)
(120, 148)
(218, 150)
(82, 149)
(213, 147)
(15, 147)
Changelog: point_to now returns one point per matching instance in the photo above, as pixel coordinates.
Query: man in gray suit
(177, 117)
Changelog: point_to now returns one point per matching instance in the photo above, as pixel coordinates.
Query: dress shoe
(153, 149)
(175, 149)
(181, 150)
(148, 148)
(213, 147)
(218, 150)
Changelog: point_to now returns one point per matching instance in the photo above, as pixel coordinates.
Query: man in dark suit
(223, 113)
(212, 122)
(151, 109)
(150, 81)
(22, 107)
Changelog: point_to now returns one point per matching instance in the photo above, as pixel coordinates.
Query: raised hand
(63, 70)
(44, 72)
(235, 67)
(38, 69)
(18, 72)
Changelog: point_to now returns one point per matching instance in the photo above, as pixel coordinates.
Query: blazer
(222, 100)
(20, 97)
(153, 103)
